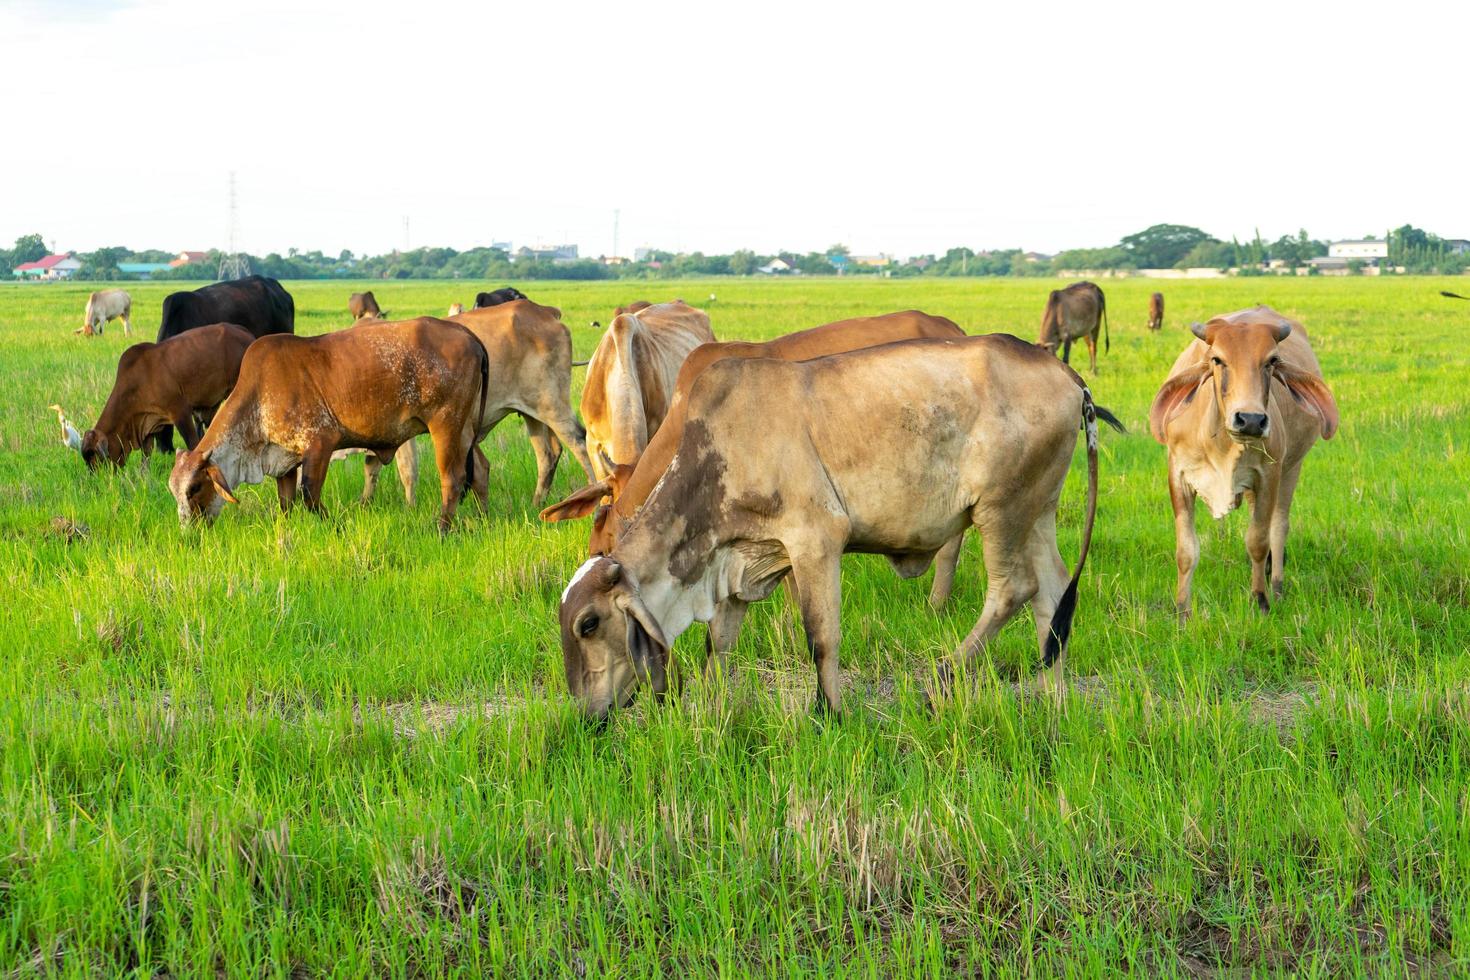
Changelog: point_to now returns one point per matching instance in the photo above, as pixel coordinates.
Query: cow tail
(469, 460)
(1102, 307)
(1061, 620)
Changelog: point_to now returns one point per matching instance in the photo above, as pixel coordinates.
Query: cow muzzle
(1249, 425)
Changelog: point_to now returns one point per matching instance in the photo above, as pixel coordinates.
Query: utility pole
(405, 233)
(233, 265)
(617, 213)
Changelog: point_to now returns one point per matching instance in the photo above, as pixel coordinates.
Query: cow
(168, 383)
(300, 399)
(785, 466)
(256, 303)
(455, 309)
(530, 352)
(505, 294)
(1241, 407)
(1075, 313)
(630, 379)
(103, 307)
(614, 502)
(1156, 311)
(363, 305)
(405, 458)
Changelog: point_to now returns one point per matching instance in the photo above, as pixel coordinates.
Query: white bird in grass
(70, 437)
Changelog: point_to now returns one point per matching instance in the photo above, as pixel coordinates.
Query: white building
(1370, 249)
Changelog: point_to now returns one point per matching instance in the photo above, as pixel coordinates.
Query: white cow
(104, 306)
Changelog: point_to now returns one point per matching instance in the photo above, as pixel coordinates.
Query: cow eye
(1272, 363)
(587, 625)
(1217, 362)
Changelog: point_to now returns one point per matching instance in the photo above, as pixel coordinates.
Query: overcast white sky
(899, 127)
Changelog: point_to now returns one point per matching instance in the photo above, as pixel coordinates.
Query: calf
(1156, 311)
(1078, 312)
(630, 379)
(165, 384)
(784, 466)
(530, 356)
(614, 501)
(300, 399)
(1241, 407)
(103, 307)
(364, 305)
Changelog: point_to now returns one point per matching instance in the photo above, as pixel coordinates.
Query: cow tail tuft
(1061, 621)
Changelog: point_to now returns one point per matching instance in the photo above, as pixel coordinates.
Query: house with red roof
(60, 266)
(188, 258)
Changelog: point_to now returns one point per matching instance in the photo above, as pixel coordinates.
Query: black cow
(503, 295)
(256, 303)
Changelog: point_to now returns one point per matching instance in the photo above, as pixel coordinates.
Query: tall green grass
(343, 745)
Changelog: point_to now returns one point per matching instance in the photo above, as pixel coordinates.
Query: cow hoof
(1261, 604)
(1182, 614)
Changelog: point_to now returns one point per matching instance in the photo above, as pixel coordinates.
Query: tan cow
(630, 379)
(103, 307)
(169, 383)
(530, 352)
(1241, 407)
(364, 306)
(614, 501)
(300, 399)
(1156, 311)
(784, 466)
(1078, 312)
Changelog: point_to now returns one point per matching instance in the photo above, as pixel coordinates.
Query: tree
(28, 248)
(743, 262)
(102, 264)
(1162, 246)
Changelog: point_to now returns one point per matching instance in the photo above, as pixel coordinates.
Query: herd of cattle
(720, 469)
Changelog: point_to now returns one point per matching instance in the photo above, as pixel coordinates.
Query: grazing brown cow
(630, 379)
(363, 305)
(1078, 312)
(168, 383)
(1156, 311)
(614, 502)
(530, 352)
(1242, 406)
(784, 466)
(299, 399)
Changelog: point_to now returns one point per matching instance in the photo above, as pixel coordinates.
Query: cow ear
(1177, 392)
(579, 504)
(617, 480)
(647, 646)
(221, 485)
(1313, 394)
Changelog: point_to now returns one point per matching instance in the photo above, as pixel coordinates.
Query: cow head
(199, 487)
(455, 309)
(610, 642)
(595, 499)
(97, 448)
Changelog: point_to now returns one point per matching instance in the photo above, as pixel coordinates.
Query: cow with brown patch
(172, 383)
(1078, 312)
(631, 377)
(782, 467)
(1242, 406)
(614, 501)
(300, 399)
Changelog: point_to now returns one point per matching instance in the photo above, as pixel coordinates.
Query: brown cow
(1242, 406)
(168, 383)
(785, 466)
(1078, 312)
(1156, 311)
(614, 502)
(630, 379)
(299, 399)
(530, 374)
(364, 306)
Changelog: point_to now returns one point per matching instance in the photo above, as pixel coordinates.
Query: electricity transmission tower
(233, 265)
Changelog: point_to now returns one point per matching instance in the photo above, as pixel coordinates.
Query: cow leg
(286, 488)
(1258, 539)
(569, 431)
(372, 468)
(1186, 544)
(1010, 582)
(819, 584)
(1066, 352)
(407, 461)
(453, 444)
(127, 327)
(1280, 525)
(314, 476)
(548, 453)
(724, 630)
(944, 566)
(184, 421)
(1091, 353)
(164, 439)
(1051, 581)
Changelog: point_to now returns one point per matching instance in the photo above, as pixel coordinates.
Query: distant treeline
(1158, 247)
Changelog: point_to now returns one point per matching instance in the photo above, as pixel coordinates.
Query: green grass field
(344, 746)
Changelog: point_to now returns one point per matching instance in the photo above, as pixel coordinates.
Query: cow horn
(1283, 330)
(1199, 329)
